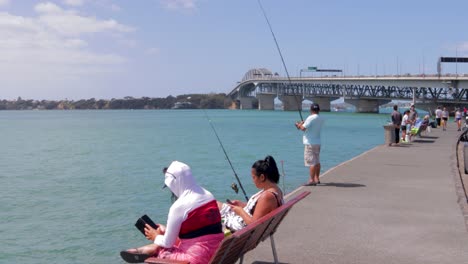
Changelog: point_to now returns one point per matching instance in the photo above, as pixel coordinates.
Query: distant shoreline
(191, 101)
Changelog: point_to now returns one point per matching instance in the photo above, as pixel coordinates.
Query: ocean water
(73, 183)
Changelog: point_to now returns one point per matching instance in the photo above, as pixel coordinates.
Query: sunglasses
(164, 170)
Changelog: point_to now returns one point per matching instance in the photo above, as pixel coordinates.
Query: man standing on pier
(396, 120)
(312, 127)
(413, 115)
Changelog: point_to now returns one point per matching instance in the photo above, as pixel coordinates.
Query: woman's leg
(151, 249)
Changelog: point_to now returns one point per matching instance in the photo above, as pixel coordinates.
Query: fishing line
(282, 59)
(233, 186)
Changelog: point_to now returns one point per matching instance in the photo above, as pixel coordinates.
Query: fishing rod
(233, 186)
(284, 174)
(299, 107)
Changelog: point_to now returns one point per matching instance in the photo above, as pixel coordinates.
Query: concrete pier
(388, 205)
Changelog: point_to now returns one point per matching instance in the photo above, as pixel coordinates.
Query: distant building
(183, 105)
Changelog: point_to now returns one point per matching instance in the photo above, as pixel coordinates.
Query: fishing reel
(234, 187)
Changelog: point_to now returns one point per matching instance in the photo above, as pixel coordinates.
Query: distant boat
(183, 105)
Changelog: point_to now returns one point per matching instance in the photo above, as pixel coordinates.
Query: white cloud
(180, 4)
(48, 8)
(51, 46)
(72, 24)
(4, 2)
(74, 2)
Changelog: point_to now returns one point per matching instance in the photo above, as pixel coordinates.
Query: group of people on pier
(410, 124)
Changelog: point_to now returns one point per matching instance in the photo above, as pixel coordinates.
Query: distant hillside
(197, 101)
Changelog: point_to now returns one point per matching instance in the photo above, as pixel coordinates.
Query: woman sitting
(193, 231)
(265, 176)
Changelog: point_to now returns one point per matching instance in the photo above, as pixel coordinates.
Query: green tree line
(195, 101)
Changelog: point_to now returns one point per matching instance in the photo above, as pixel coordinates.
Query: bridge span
(366, 93)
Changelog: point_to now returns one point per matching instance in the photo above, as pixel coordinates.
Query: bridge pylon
(246, 102)
(266, 101)
(367, 105)
(323, 102)
(291, 102)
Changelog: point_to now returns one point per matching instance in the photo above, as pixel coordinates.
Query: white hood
(178, 178)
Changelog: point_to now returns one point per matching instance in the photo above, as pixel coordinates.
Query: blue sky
(107, 49)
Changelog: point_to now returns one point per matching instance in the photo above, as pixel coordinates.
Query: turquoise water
(74, 182)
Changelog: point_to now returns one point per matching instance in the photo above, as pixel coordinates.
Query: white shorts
(311, 155)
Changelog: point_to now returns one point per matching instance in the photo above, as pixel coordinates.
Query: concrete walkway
(389, 205)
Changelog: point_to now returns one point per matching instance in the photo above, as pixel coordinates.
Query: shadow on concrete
(430, 137)
(341, 184)
(423, 141)
(403, 145)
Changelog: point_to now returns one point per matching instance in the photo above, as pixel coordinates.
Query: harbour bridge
(260, 86)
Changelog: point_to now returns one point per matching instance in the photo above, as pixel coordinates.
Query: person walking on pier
(458, 116)
(445, 115)
(438, 114)
(396, 120)
(312, 127)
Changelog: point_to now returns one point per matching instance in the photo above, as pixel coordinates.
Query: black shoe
(131, 257)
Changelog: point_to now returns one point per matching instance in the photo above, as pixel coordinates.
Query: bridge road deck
(389, 205)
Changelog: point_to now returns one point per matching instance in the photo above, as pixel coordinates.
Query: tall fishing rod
(299, 107)
(284, 175)
(234, 187)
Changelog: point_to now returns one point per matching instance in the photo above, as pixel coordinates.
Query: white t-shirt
(405, 119)
(438, 113)
(313, 125)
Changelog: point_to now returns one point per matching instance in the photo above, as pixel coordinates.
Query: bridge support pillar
(246, 102)
(366, 105)
(324, 103)
(266, 101)
(291, 102)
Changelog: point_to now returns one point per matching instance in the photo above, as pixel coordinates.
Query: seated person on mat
(416, 126)
(193, 232)
(420, 126)
(425, 121)
(265, 176)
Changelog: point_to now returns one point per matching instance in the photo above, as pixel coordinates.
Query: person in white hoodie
(193, 232)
